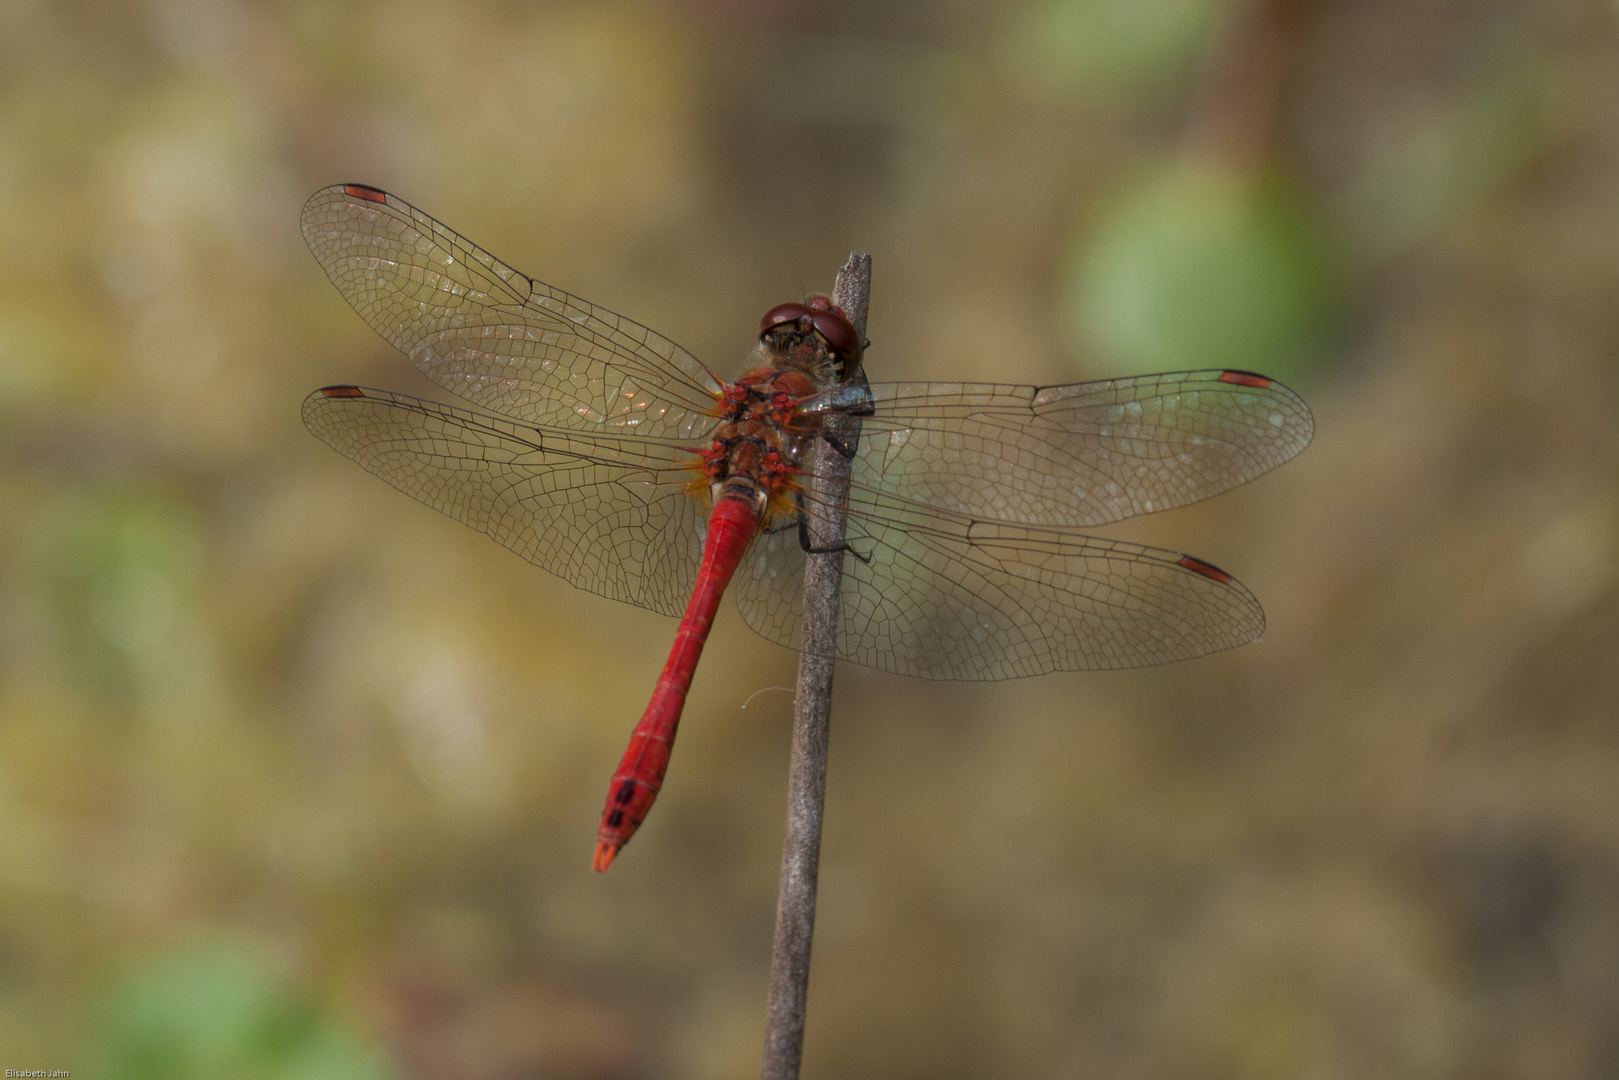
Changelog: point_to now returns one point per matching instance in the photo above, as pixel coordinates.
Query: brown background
(269, 728)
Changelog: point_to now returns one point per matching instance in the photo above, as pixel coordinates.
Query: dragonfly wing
(944, 596)
(608, 514)
(1080, 455)
(495, 336)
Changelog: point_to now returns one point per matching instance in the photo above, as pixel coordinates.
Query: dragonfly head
(819, 323)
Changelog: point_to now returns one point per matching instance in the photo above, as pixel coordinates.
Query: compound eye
(782, 313)
(838, 331)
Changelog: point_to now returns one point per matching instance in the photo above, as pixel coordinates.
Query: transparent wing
(1079, 455)
(608, 513)
(495, 336)
(933, 593)
(945, 596)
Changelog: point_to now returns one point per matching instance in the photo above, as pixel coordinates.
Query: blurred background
(300, 779)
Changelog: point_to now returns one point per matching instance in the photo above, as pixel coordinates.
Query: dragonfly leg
(844, 447)
(802, 521)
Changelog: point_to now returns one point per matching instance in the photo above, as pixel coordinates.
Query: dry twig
(812, 717)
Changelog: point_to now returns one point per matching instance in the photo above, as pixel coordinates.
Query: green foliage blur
(204, 1011)
(299, 779)
(1199, 267)
(1084, 50)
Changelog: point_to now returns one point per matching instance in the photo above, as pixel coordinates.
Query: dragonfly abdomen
(639, 776)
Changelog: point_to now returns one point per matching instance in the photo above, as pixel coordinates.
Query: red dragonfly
(613, 458)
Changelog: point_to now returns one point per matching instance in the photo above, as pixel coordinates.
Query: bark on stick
(812, 716)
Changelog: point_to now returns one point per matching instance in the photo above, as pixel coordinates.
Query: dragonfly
(605, 453)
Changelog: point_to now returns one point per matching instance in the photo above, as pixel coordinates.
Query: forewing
(944, 596)
(608, 514)
(1079, 455)
(495, 336)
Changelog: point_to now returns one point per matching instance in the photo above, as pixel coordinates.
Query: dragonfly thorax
(759, 445)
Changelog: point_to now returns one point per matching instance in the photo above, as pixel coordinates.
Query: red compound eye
(782, 313)
(829, 322)
(838, 331)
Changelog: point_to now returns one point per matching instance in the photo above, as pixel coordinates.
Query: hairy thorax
(760, 445)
